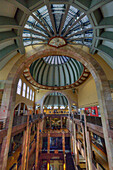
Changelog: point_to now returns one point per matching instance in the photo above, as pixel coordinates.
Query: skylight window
(54, 20)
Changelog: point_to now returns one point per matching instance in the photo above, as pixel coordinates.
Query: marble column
(29, 137)
(48, 147)
(63, 142)
(84, 144)
(50, 122)
(25, 146)
(76, 148)
(61, 122)
(40, 143)
(37, 148)
(89, 147)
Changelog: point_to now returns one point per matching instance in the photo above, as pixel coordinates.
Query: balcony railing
(18, 120)
(77, 117)
(57, 115)
(94, 120)
(1, 124)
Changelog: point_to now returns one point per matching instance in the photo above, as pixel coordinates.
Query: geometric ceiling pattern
(55, 99)
(30, 21)
(58, 20)
(56, 72)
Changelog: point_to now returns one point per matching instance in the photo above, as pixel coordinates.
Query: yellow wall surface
(87, 95)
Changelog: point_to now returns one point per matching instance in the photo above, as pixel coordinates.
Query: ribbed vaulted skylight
(56, 99)
(58, 20)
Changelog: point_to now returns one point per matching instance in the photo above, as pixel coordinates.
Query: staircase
(69, 162)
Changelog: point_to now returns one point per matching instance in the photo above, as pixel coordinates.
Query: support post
(29, 135)
(89, 147)
(48, 147)
(61, 122)
(76, 148)
(40, 143)
(25, 146)
(84, 144)
(63, 142)
(37, 147)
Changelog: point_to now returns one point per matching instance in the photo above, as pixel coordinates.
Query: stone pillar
(61, 122)
(84, 144)
(89, 147)
(71, 143)
(37, 147)
(41, 109)
(40, 143)
(25, 146)
(48, 147)
(50, 122)
(29, 137)
(69, 123)
(19, 107)
(76, 148)
(63, 142)
(2, 156)
(24, 109)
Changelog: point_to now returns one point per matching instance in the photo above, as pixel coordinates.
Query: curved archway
(67, 97)
(103, 89)
(20, 108)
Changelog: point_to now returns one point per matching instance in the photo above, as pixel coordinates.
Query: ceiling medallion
(57, 42)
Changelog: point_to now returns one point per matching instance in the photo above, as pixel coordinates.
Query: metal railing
(56, 115)
(77, 117)
(1, 124)
(94, 120)
(18, 120)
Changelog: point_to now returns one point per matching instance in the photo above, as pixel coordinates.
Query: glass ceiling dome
(58, 25)
(56, 72)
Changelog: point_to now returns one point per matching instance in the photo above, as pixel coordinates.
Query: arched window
(19, 86)
(27, 92)
(30, 94)
(33, 97)
(24, 90)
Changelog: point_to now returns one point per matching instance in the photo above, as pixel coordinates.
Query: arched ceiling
(15, 13)
(56, 72)
(55, 99)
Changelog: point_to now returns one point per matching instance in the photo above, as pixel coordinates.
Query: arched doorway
(103, 89)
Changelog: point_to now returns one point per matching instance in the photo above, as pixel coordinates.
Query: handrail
(18, 120)
(94, 120)
(56, 115)
(77, 117)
